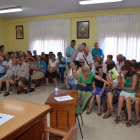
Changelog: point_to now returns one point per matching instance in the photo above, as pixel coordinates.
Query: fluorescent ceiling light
(84, 2)
(10, 9)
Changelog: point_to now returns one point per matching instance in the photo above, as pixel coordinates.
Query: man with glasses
(82, 62)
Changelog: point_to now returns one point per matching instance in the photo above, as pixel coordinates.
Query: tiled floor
(94, 128)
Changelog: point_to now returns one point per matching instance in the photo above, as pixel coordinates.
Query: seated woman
(134, 68)
(137, 102)
(82, 62)
(52, 70)
(113, 91)
(85, 81)
(72, 76)
(97, 90)
(129, 85)
(96, 64)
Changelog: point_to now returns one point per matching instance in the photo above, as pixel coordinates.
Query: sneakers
(32, 90)
(47, 84)
(26, 91)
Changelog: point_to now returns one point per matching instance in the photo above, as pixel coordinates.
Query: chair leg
(81, 119)
(80, 127)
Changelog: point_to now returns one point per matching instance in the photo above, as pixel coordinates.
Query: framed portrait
(19, 32)
(83, 30)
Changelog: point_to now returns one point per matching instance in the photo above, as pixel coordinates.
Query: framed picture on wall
(83, 30)
(19, 32)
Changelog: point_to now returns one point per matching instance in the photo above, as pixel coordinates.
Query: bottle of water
(56, 90)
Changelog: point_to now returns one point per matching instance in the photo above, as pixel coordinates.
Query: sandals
(99, 114)
(129, 123)
(135, 122)
(111, 111)
(88, 112)
(104, 117)
(6, 94)
(117, 120)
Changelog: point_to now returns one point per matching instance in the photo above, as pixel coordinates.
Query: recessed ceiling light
(10, 9)
(84, 2)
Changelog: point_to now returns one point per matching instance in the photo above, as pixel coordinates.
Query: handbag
(71, 80)
(87, 62)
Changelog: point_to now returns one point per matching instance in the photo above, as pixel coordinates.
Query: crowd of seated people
(87, 72)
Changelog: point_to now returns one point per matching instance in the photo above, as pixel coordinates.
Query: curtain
(119, 34)
(49, 35)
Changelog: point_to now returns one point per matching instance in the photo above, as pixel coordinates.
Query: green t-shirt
(128, 83)
(89, 80)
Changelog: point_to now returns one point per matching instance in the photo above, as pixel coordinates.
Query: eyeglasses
(82, 62)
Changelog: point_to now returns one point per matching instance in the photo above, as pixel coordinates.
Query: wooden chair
(70, 135)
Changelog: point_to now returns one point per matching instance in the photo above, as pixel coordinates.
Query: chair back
(85, 100)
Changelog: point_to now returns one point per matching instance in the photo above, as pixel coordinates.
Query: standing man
(35, 54)
(75, 52)
(120, 63)
(98, 51)
(86, 55)
(62, 65)
(69, 51)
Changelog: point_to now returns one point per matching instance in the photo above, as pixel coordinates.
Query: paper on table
(63, 98)
(4, 118)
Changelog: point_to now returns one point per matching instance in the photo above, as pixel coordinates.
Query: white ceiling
(50, 7)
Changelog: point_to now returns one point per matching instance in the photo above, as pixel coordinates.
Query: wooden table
(63, 115)
(28, 122)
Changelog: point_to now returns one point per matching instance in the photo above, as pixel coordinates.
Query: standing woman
(97, 90)
(129, 85)
(113, 91)
(52, 70)
(72, 77)
(85, 81)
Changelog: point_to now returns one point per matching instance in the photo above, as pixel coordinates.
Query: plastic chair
(80, 109)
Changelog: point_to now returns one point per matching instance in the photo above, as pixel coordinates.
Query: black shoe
(32, 90)
(6, 94)
(26, 91)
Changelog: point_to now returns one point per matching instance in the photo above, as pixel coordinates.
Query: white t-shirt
(53, 64)
(88, 58)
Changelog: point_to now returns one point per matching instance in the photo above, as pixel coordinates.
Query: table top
(25, 115)
(72, 93)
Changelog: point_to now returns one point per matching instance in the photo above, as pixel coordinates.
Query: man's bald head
(120, 58)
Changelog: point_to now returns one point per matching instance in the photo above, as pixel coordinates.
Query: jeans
(74, 87)
(61, 71)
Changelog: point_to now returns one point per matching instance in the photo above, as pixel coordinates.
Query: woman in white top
(113, 91)
(72, 77)
(52, 70)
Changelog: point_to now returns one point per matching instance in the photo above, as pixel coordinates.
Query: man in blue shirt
(97, 50)
(62, 65)
(69, 51)
(39, 70)
(35, 54)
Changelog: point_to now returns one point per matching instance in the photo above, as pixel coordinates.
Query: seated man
(21, 76)
(10, 71)
(2, 64)
(39, 71)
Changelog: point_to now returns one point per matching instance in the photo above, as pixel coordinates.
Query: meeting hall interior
(70, 70)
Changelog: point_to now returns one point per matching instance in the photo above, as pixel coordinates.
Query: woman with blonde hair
(85, 81)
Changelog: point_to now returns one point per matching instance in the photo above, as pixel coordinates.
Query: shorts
(3, 78)
(54, 74)
(98, 92)
(116, 92)
(87, 88)
(126, 95)
(23, 80)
